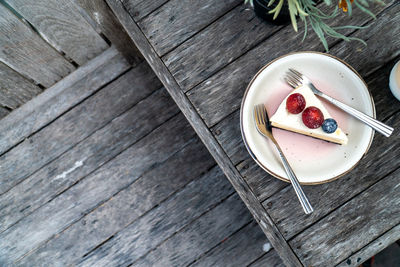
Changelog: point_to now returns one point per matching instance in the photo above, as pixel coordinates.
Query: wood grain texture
(74, 126)
(3, 112)
(24, 51)
(109, 25)
(133, 202)
(15, 89)
(216, 46)
(96, 150)
(373, 248)
(377, 163)
(178, 20)
(367, 216)
(65, 94)
(195, 239)
(271, 259)
(205, 135)
(228, 135)
(101, 185)
(240, 249)
(151, 230)
(263, 184)
(141, 8)
(221, 94)
(60, 24)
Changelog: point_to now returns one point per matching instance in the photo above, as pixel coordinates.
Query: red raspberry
(312, 117)
(295, 103)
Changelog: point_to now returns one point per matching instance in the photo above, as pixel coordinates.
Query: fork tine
(260, 118)
(296, 72)
(295, 77)
(262, 113)
(291, 82)
(257, 114)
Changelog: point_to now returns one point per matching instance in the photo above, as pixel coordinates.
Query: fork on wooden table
(295, 79)
(264, 128)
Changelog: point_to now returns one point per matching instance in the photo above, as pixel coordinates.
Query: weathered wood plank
(127, 206)
(222, 93)
(216, 46)
(70, 206)
(205, 135)
(263, 184)
(60, 24)
(195, 239)
(188, 110)
(228, 135)
(377, 163)
(85, 157)
(3, 112)
(15, 89)
(185, 18)
(271, 259)
(141, 8)
(109, 25)
(65, 94)
(240, 249)
(75, 125)
(24, 51)
(352, 226)
(372, 248)
(151, 230)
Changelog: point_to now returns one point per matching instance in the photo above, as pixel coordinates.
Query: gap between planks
(187, 108)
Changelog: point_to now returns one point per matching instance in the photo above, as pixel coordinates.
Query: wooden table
(205, 53)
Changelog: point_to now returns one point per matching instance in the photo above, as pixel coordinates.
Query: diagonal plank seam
(366, 246)
(99, 204)
(184, 227)
(199, 31)
(54, 119)
(70, 80)
(95, 169)
(353, 197)
(151, 12)
(217, 245)
(241, 186)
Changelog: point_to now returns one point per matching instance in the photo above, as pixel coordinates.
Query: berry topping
(329, 125)
(295, 103)
(312, 117)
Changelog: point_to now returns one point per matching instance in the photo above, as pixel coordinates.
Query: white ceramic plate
(314, 161)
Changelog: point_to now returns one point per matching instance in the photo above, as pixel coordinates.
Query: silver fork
(295, 78)
(264, 127)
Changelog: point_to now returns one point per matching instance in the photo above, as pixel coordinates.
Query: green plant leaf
(349, 7)
(293, 13)
(364, 9)
(271, 2)
(277, 9)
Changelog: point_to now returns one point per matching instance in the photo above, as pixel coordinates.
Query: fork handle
(374, 124)
(295, 183)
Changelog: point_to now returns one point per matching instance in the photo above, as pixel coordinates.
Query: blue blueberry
(329, 125)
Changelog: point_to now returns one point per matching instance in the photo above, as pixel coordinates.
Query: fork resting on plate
(264, 128)
(295, 79)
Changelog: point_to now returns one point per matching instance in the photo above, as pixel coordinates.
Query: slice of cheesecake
(297, 122)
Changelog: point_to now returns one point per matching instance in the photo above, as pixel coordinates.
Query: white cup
(394, 80)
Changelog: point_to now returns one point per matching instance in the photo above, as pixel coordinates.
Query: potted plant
(282, 11)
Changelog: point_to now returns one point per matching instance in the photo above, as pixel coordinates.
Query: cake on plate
(302, 112)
